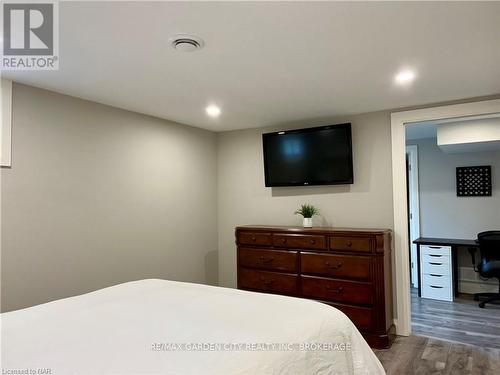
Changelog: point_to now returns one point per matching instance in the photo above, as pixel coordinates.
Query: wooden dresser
(346, 268)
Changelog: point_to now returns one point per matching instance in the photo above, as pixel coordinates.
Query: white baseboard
(471, 287)
(469, 282)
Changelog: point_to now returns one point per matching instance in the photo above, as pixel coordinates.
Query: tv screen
(314, 156)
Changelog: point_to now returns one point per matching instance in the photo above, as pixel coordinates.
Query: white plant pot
(308, 222)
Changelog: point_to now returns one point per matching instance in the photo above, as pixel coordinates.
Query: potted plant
(307, 211)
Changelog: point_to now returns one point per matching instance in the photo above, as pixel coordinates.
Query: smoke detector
(186, 43)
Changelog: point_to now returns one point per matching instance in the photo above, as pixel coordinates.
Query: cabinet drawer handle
(349, 243)
(435, 275)
(435, 247)
(436, 264)
(313, 242)
(267, 282)
(336, 290)
(436, 287)
(435, 255)
(254, 238)
(266, 260)
(283, 240)
(333, 266)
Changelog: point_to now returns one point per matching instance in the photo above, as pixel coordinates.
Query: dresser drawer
(337, 290)
(299, 241)
(278, 260)
(361, 244)
(249, 238)
(362, 317)
(267, 281)
(344, 266)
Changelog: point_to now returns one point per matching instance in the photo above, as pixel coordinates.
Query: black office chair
(489, 266)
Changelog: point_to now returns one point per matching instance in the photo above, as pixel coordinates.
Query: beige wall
(243, 198)
(98, 196)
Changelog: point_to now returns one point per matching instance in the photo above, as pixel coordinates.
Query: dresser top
(285, 228)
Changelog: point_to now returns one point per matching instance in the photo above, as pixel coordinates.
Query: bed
(166, 327)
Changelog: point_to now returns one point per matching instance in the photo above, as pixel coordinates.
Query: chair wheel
(481, 305)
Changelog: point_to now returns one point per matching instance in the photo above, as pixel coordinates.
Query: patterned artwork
(474, 181)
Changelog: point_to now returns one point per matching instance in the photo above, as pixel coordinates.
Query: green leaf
(307, 211)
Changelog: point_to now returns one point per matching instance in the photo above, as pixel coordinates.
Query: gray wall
(243, 199)
(98, 196)
(442, 213)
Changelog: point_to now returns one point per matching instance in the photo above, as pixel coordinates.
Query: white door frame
(401, 259)
(414, 202)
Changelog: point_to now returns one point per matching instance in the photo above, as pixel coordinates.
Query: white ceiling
(273, 63)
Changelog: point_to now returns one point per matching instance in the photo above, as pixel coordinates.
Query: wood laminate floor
(418, 355)
(449, 338)
(460, 321)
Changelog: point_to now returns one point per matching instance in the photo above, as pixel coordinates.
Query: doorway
(401, 257)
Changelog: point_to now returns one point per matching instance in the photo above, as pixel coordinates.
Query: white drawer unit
(444, 251)
(436, 273)
(436, 267)
(442, 281)
(439, 259)
(437, 292)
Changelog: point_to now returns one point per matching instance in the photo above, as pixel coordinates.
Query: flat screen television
(312, 156)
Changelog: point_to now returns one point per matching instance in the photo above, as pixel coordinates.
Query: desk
(454, 244)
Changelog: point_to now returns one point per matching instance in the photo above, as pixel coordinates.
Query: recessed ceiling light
(186, 43)
(405, 77)
(213, 111)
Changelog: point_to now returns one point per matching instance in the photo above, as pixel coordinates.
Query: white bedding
(126, 329)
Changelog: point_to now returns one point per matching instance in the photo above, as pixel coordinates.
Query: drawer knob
(349, 243)
(335, 290)
(333, 266)
(254, 238)
(266, 260)
(313, 242)
(283, 240)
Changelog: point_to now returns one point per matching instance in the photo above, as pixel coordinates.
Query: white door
(413, 209)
